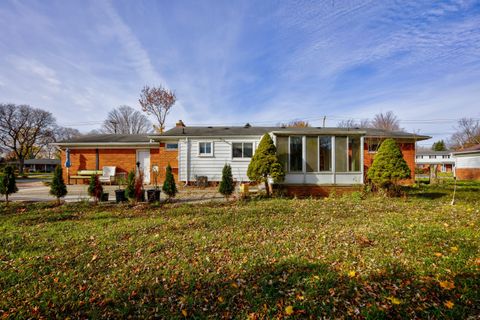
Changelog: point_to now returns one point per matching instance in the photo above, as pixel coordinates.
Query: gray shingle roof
(258, 131)
(109, 138)
(43, 161)
(431, 152)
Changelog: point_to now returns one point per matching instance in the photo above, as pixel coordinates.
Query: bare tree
(352, 123)
(467, 133)
(22, 128)
(157, 101)
(126, 120)
(387, 121)
(295, 124)
(47, 146)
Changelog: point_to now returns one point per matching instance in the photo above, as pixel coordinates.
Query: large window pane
(237, 150)
(282, 152)
(312, 154)
(341, 154)
(296, 154)
(325, 154)
(353, 153)
(247, 150)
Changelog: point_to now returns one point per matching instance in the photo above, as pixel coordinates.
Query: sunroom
(323, 159)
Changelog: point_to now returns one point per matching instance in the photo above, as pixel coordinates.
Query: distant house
(39, 165)
(442, 161)
(315, 159)
(467, 163)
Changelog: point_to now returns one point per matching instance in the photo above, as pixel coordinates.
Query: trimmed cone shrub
(8, 185)
(227, 186)
(139, 192)
(389, 166)
(265, 164)
(58, 187)
(169, 186)
(95, 188)
(130, 188)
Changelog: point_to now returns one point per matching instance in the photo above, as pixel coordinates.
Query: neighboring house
(442, 160)
(314, 158)
(467, 163)
(39, 165)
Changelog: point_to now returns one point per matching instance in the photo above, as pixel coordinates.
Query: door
(143, 156)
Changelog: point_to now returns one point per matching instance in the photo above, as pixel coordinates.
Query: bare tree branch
(157, 101)
(126, 120)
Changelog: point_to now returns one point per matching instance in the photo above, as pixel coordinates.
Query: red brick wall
(162, 158)
(468, 173)
(124, 159)
(408, 151)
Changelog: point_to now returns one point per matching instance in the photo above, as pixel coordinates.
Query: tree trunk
(267, 189)
(6, 198)
(21, 164)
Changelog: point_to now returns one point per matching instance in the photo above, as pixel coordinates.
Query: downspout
(187, 158)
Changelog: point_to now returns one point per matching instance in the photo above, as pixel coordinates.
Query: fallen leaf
(438, 254)
(448, 304)
(94, 257)
(184, 312)
(351, 274)
(454, 249)
(447, 285)
(394, 300)
(220, 298)
(289, 310)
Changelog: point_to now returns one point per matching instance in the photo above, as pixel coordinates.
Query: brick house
(467, 163)
(315, 159)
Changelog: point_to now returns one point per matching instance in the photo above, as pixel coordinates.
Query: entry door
(143, 156)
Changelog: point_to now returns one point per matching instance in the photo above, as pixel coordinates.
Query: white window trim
(205, 155)
(171, 149)
(242, 158)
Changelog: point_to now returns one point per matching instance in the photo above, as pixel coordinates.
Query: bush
(130, 188)
(95, 188)
(58, 187)
(169, 186)
(139, 192)
(265, 164)
(389, 167)
(227, 186)
(8, 185)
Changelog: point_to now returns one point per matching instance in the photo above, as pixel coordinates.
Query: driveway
(34, 190)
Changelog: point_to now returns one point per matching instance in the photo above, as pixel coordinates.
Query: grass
(357, 256)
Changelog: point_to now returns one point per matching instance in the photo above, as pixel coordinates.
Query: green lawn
(356, 256)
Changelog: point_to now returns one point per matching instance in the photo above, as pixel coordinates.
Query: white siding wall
(467, 161)
(212, 166)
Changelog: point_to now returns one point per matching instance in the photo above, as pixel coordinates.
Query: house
(315, 159)
(467, 163)
(442, 161)
(39, 165)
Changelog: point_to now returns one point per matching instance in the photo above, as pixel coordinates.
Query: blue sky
(232, 62)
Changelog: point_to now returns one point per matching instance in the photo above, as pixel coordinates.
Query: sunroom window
(296, 158)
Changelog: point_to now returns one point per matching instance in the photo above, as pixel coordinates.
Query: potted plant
(95, 189)
(120, 193)
(130, 189)
(153, 195)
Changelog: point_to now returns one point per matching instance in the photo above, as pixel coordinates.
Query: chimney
(180, 124)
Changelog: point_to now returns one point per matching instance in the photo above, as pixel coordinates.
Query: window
(373, 146)
(282, 152)
(171, 146)
(242, 149)
(354, 154)
(205, 148)
(325, 153)
(312, 154)
(446, 156)
(341, 154)
(296, 159)
(432, 157)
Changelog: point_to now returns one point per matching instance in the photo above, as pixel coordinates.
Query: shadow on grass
(430, 195)
(311, 289)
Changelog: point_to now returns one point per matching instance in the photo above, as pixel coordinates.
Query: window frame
(167, 148)
(243, 151)
(205, 155)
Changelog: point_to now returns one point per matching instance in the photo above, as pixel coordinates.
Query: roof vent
(209, 127)
(183, 130)
(247, 125)
(227, 128)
